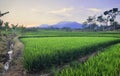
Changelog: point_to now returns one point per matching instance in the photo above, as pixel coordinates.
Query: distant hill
(44, 26)
(63, 24)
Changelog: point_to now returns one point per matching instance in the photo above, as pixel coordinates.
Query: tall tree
(91, 20)
(85, 25)
(115, 25)
(102, 20)
(111, 15)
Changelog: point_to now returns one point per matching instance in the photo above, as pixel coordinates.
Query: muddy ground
(5, 41)
(16, 67)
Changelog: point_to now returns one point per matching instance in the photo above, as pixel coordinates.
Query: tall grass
(41, 53)
(106, 63)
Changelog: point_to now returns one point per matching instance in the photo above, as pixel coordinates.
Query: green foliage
(1, 23)
(106, 63)
(6, 26)
(41, 53)
(108, 16)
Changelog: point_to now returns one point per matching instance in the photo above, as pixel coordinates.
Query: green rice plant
(42, 53)
(106, 63)
(62, 33)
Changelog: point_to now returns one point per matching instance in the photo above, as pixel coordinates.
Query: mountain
(64, 24)
(44, 26)
(68, 24)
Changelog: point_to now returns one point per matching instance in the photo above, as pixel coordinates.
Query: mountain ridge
(63, 24)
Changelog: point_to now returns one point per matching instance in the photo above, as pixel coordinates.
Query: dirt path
(16, 67)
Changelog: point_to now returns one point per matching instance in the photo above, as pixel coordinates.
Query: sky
(36, 12)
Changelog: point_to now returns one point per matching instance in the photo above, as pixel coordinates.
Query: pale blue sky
(36, 12)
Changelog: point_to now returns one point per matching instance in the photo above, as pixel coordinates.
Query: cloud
(62, 12)
(35, 10)
(94, 9)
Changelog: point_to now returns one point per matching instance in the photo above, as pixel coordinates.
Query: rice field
(106, 63)
(42, 53)
(61, 33)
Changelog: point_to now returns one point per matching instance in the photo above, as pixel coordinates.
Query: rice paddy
(42, 53)
(106, 63)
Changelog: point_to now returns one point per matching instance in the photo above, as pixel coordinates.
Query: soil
(4, 43)
(16, 67)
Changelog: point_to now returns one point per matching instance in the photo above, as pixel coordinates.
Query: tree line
(106, 21)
